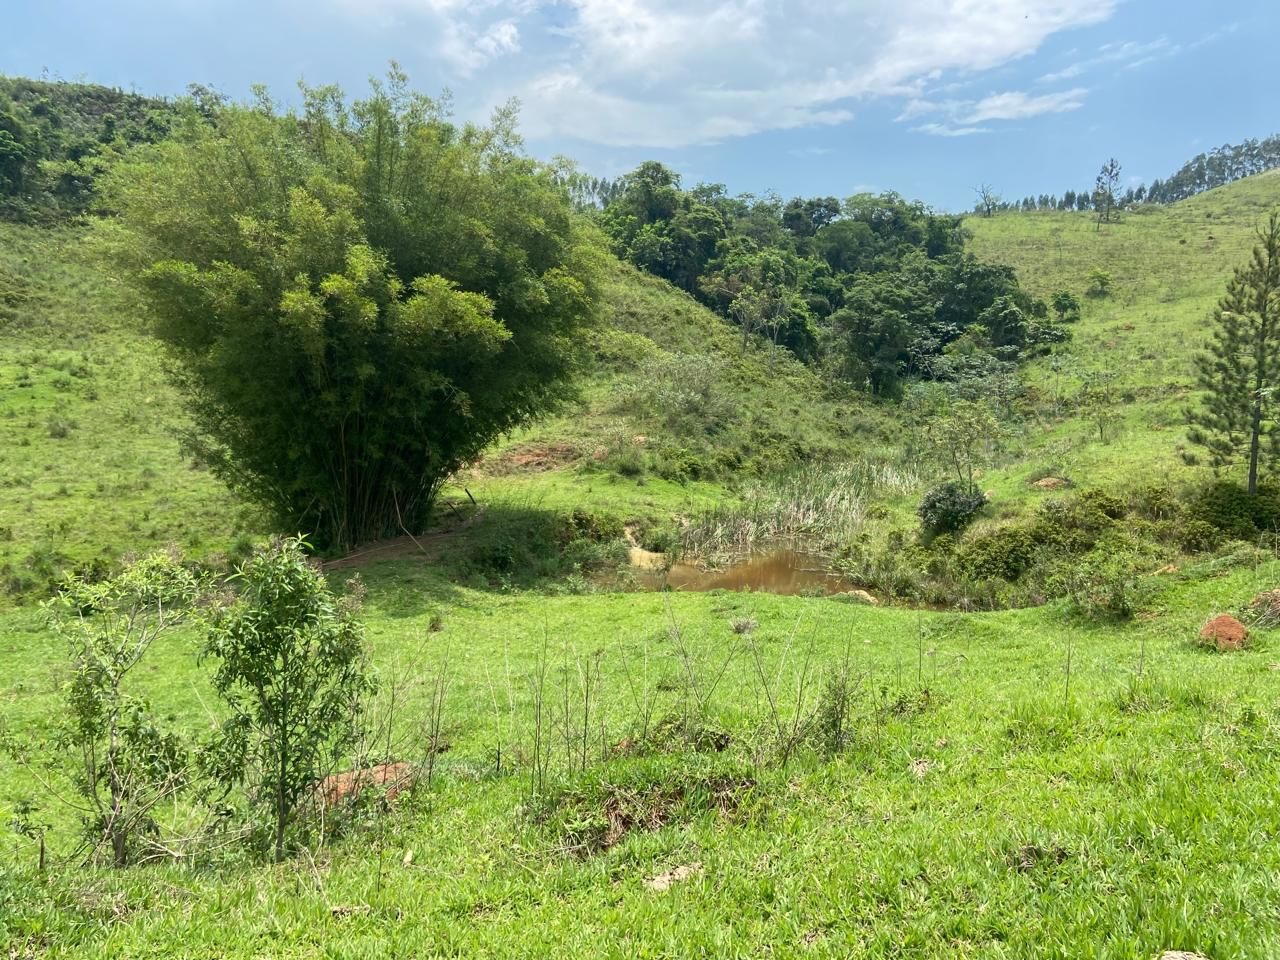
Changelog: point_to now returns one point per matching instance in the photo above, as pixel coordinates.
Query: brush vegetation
(1023, 749)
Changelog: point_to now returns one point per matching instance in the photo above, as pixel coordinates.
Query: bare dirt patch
(665, 881)
(531, 458)
(423, 546)
(390, 779)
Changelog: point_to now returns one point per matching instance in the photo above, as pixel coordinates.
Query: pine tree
(1240, 371)
(1104, 191)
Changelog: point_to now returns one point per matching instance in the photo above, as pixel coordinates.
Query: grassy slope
(1055, 810)
(1171, 265)
(88, 461)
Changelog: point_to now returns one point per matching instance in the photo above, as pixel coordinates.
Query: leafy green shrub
(1074, 524)
(680, 464)
(128, 764)
(1066, 305)
(687, 393)
(1198, 536)
(594, 526)
(1228, 507)
(1156, 502)
(1109, 505)
(1003, 554)
(1110, 581)
(1100, 282)
(516, 546)
(626, 459)
(949, 507)
(292, 669)
(620, 350)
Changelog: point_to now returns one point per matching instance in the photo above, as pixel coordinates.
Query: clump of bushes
(1094, 548)
(1227, 507)
(515, 546)
(950, 507)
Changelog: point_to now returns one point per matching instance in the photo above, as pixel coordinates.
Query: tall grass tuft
(817, 508)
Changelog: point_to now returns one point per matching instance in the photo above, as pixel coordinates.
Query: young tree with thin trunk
(128, 763)
(292, 668)
(1104, 191)
(1240, 369)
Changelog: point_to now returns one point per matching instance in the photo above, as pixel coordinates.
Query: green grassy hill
(672, 412)
(1170, 266)
(835, 780)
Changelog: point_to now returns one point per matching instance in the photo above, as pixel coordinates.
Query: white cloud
(1130, 54)
(1016, 105)
(465, 34)
(675, 73)
(946, 130)
(962, 118)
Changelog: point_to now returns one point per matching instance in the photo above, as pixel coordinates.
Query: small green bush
(593, 526)
(1198, 536)
(1003, 554)
(949, 507)
(1156, 502)
(1110, 581)
(1228, 507)
(1074, 524)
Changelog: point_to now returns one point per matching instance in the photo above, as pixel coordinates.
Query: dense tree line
(57, 138)
(1215, 168)
(876, 289)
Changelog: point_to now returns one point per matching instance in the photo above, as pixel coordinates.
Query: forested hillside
(876, 291)
(55, 139)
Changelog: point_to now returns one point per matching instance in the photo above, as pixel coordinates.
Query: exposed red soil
(1224, 632)
(392, 778)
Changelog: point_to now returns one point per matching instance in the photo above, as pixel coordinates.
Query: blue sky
(927, 97)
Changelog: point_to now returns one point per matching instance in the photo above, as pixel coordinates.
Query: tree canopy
(359, 296)
(875, 288)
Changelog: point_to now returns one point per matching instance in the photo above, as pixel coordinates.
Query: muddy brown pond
(783, 571)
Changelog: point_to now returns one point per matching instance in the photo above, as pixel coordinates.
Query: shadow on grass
(500, 546)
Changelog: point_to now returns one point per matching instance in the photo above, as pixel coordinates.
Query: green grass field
(1016, 784)
(1170, 265)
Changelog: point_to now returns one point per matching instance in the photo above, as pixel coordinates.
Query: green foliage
(291, 666)
(1110, 581)
(359, 298)
(1003, 553)
(518, 546)
(872, 289)
(1100, 282)
(1229, 508)
(949, 508)
(961, 436)
(1066, 305)
(1240, 371)
(684, 392)
(56, 138)
(1106, 196)
(127, 762)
